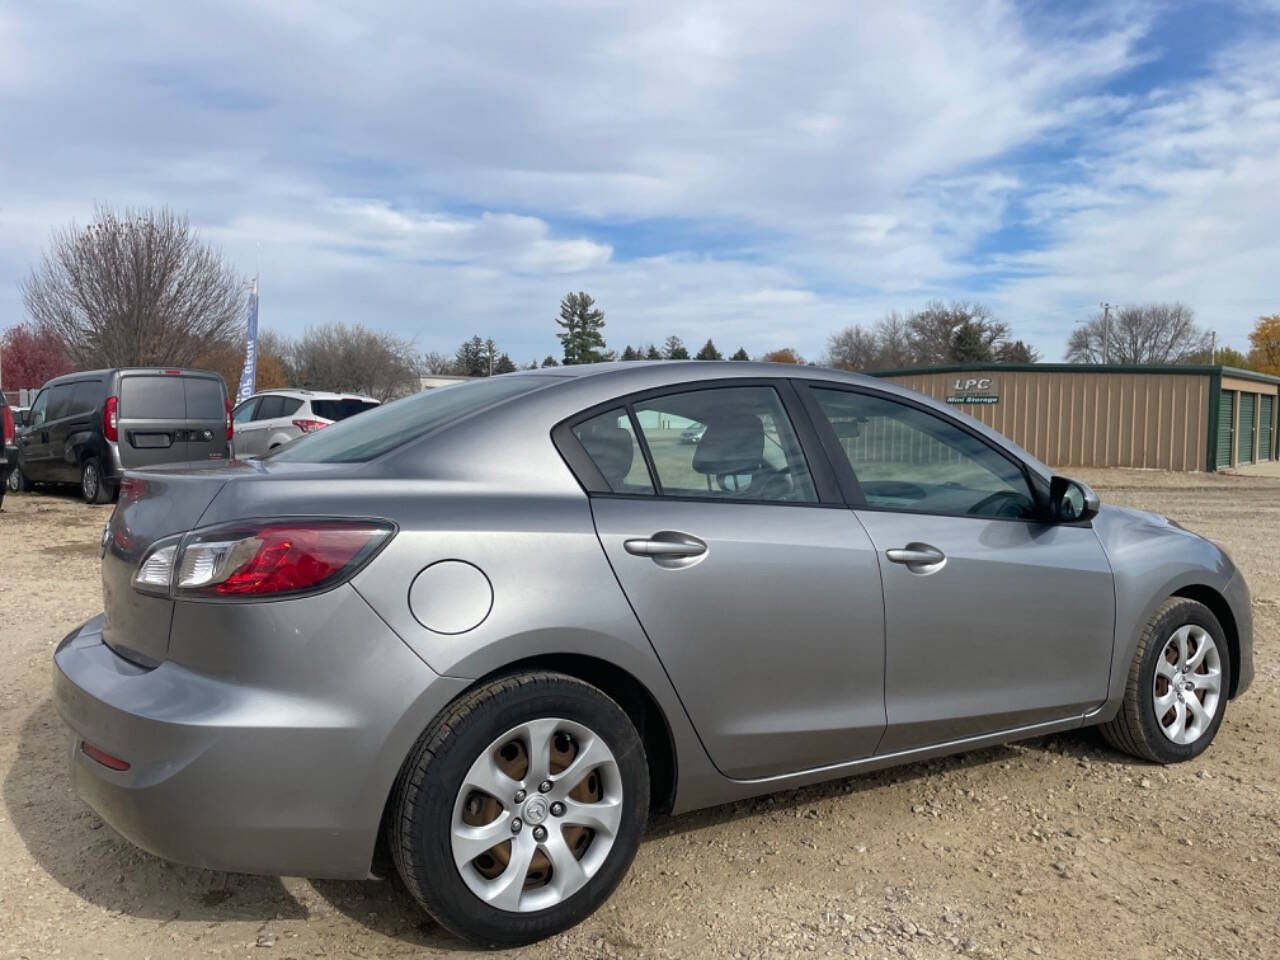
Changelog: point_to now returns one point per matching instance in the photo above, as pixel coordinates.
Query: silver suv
(274, 417)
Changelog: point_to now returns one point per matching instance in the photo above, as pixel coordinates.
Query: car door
(759, 592)
(242, 425)
(259, 430)
(206, 415)
(152, 419)
(994, 618)
(34, 441)
(59, 461)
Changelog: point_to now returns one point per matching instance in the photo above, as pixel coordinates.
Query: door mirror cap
(1071, 501)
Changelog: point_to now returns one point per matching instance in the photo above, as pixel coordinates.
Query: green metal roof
(1195, 370)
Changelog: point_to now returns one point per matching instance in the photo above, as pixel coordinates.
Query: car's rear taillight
(6, 415)
(230, 431)
(261, 558)
(110, 422)
(310, 426)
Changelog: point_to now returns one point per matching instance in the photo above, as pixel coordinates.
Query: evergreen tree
(652, 353)
(549, 361)
(504, 364)
(582, 322)
(674, 349)
(969, 344)
(740, 355)
(630, 354)
(709, 352)
(471, 359)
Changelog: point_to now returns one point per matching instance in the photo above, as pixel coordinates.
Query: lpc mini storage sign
(976, 390)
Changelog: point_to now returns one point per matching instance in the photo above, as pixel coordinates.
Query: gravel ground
(1055, 847)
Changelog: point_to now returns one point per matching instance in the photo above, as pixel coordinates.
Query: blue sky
(760, 173)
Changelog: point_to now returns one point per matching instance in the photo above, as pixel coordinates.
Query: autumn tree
(1147, 333)
(582, 322)
(785, 355)
(30, 356)
(134, 288)
(1264, 345)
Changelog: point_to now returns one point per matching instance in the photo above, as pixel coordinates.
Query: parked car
(274, 417)
(693, 434)
(489, 631)
(8, 446)
(89, 427)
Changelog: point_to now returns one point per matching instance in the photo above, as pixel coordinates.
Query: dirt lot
(1055, 847)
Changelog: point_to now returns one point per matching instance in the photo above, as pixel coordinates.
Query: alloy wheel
(1187, 684)
(89, 482)
(536, 815)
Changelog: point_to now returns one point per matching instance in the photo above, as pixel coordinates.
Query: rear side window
(291, 405)
(205, 400)
(393, 424)
(60, 401)
(85, 396)
(158, 397)
(269, 408)
(340, 409)
(611, 444)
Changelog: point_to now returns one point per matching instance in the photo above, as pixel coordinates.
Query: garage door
(1244, 451)
(1226, 427)
(1265, 433)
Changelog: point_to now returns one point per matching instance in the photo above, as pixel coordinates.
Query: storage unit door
(1244, 450)
(1226, 425)
(1265, 433)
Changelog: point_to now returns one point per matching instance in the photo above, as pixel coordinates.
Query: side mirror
(1071, 501)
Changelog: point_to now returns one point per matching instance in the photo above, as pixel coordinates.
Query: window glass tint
(611, 444)
(244, 412)
(269, 408)
(205, 399)
(290, 407)
(732, 443)
(393, 424)
(907, 459)
(84, 396)
(60, 400)
(156, 397)
(340, 409)
(40, 409)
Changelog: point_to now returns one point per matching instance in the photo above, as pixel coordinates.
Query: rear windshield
(340, 409)
(168, 397)
(392, 424)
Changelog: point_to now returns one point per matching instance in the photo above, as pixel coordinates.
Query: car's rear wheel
(1176, 695)
(93, 487)
(520, 809)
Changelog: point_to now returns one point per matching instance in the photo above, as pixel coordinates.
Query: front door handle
(918, 557)
(668, 548)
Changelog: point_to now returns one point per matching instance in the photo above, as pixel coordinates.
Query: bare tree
(853, 348)
(338, 357)
(436, 363)
(136, 287)
(1149, 333)
(893, 337)
(934, 330)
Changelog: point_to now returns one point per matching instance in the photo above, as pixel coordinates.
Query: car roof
(303, 393)
(103, 374)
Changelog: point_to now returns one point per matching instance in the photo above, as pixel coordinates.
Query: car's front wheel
(1177, 687)
(520, 808)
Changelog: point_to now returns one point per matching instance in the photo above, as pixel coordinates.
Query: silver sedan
(481, 634)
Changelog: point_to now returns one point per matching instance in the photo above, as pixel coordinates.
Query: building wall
(1085, 419)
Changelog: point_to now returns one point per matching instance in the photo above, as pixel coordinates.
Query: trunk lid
(171, 417)
(161, 502)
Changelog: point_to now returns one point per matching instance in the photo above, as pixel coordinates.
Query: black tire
(13, 482)
(25, 484)
(427, 787)
(93, 487)
(1135, 729)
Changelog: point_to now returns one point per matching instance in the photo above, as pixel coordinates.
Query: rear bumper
(239, 777)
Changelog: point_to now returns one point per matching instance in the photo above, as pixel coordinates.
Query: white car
(274, 417)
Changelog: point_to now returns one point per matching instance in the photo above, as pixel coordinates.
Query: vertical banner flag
(248, 376)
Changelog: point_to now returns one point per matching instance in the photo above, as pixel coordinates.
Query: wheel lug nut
(516, 825)
(519, 796)
(557, 809)
(539, 833)
(544, 786)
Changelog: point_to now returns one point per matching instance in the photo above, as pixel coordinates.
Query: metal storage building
(1099, 415)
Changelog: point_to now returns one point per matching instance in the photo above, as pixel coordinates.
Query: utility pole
(1106, 332)
(1213, 346)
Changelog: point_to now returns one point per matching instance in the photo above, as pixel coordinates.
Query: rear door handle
(667, 548)
(918, 557)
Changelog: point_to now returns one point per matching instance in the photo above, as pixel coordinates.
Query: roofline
(1195, 370)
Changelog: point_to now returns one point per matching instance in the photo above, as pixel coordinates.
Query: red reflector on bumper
(106, 759)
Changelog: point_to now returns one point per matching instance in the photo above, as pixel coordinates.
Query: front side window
(911, 460)
(732, 443)
(244, 412)
(38, 409)
(611, 444)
